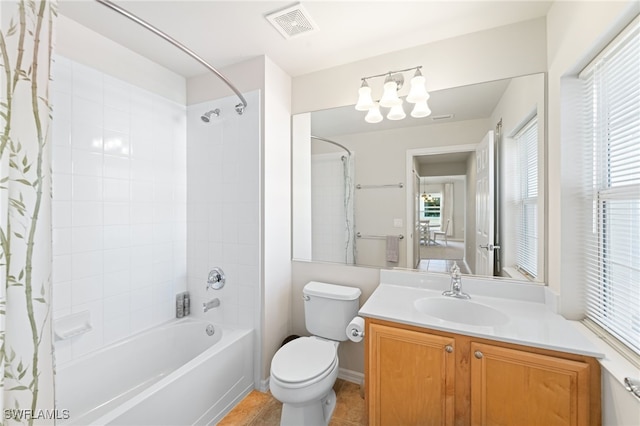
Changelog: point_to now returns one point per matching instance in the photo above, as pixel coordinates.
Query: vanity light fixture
(393, 82)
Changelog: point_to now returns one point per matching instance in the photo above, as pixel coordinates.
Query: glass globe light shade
(396, 113)
(418, 91)
(374, 115)
(390, 95)
(365, 101)
(421, 109)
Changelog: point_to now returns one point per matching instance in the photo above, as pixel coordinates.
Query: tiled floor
(262, 409)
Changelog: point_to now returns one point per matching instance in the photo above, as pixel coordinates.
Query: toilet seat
(303, 361)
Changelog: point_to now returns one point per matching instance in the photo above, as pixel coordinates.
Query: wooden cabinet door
(411, 377)
(513, 387)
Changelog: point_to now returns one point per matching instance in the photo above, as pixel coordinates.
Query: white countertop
(530, 323)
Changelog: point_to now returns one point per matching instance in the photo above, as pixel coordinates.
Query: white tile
(117, 94)
(86, 188)
(61, 269)
(60, 214)
(116, 167)
(141, 213)
(116, 283)
(117, 328)
(61, 159)
(61, 74)
(116, 306)
(162, 272)
(86, 162)
(141, 319)
(116, 213)
(62, 296)
(86, 290)
(61, 186)
(163, 253)
(63, 352)
(86, 264)
(86, 213)
(61, 241)
(117, 236)
(88, 112)
(86, 136)
(116, 143)
(141, 170)
(86, 238)
(141, 192)
(141, 234)
(162, 233)
(116, 190)
(141, 298)
(117, 260)
(116, 120)
(141, 276)
(87, 82)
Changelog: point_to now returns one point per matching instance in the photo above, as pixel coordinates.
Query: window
(526, 214)
(612, 185)
(431, 208)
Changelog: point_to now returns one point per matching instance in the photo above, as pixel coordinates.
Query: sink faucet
(456, 284)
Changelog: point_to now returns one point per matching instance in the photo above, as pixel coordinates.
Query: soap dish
(72, 325)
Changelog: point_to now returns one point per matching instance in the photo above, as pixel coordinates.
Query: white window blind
(527, 200)
(612, 183)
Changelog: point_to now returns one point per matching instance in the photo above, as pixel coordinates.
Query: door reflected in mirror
(424, 193)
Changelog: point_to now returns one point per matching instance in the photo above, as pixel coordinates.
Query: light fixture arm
(391, 72)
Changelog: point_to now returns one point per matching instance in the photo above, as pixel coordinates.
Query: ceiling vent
(442, 117)
(292, 21)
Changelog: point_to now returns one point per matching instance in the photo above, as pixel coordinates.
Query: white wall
(494, 54)
(87, 47)
(276, 187)
(577, 31)
(119, 205)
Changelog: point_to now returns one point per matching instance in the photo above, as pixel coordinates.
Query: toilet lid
(303, 359)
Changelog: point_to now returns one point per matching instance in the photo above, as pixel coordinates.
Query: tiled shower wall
(224, 209)
(119, 205)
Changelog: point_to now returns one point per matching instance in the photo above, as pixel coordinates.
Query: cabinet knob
(478, 354)
(448, 348)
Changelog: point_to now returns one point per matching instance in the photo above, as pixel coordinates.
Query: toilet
(304, 370)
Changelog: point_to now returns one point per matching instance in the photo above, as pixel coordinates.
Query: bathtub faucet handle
(213, 303)
(216, 279)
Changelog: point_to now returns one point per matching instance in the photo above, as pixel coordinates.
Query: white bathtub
(174, 374)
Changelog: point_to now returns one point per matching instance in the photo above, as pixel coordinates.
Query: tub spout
(213, 303)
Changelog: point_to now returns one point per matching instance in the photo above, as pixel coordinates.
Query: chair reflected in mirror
(442, 233)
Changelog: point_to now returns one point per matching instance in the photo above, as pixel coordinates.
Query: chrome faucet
(456, 284)
(213, 303)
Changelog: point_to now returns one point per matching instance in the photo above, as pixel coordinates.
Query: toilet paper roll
(355, 329)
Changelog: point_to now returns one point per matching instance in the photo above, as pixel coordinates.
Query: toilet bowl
(304, 370)
(303, 373)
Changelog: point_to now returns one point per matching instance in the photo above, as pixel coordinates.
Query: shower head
(206, 117)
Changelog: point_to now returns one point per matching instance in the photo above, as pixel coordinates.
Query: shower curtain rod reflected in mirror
(332, 142)
(239, 107)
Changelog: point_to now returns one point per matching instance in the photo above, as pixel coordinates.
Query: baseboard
(264, 385)
(351, 376)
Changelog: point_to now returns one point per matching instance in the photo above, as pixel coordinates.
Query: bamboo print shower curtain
(26, 367)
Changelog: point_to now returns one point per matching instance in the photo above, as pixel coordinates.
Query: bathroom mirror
(356, 183)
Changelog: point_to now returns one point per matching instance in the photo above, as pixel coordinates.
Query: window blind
(527, 205)
(612, 185)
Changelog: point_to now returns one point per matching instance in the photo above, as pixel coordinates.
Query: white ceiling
(228, 32)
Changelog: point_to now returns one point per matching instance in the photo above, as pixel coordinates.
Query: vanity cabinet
(410, 377)
(418, 376)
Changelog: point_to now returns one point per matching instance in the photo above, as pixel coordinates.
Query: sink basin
(460, 311)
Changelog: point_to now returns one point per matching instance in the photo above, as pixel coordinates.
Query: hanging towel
(393, 248)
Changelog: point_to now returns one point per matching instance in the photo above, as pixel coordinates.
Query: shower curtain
(26, 367)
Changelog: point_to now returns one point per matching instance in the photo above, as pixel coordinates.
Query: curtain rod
(330, 141)
(239, 108)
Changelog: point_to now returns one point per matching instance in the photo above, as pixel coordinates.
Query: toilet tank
(329, 308)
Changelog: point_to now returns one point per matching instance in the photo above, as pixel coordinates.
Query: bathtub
(174, 374)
